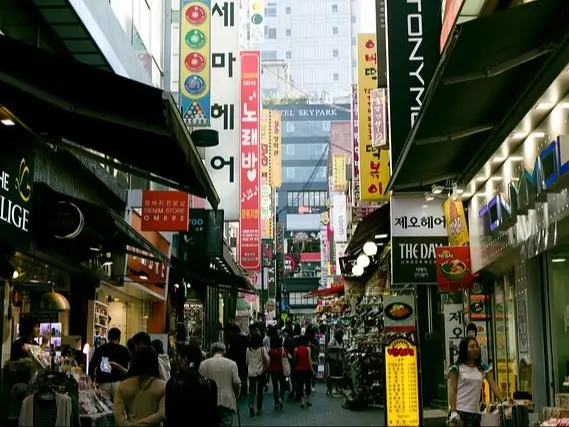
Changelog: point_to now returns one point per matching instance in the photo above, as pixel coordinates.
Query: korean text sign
(250, 165)
(457, 226)
(373, 162)
(402, 384)
(222, 161)
(379, 137)
(195, 65)
(453, 268)
(276, 155)
(355, 146)
(165, 211)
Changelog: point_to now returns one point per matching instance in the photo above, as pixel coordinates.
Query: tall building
(304, 191)
(315, 39)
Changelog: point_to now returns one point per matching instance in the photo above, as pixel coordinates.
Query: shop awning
(103, 229)
(375, 223)
(325, 293)
(492, 72)
(131, 126)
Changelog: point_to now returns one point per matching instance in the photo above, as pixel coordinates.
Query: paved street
(325, 411)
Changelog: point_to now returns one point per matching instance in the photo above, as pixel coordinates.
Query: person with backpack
(190, 392)
(226, 376)
(466, 377)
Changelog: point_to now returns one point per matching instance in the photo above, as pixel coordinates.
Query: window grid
(311, 199)
(288, 32)
(335, 53)
(334, 8)
(288, 54)
(271, 11)
(335, 30)
(288, 10)
(336, 77)
(297, 298)
(290, 149)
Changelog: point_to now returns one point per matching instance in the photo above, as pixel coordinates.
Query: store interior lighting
(370, 249)
(558, 260)
(363, 260)
(357, 270)
(381, 236)
(429, 197)
(437, 189)
(7, 122)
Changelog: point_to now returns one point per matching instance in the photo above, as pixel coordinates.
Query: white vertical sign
(222, 161)
(256, 21)
(340, 218)
(340, 252)
(454, 331)
(323, 257)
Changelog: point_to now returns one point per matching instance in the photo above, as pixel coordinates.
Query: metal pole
(263, 272)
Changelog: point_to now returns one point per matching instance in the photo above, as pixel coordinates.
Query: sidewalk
(325, 411)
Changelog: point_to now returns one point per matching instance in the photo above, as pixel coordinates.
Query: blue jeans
(256, 388)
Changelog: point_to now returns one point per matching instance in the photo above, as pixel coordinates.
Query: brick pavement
(325, 411)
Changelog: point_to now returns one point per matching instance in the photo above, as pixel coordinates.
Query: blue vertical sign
(195, 62)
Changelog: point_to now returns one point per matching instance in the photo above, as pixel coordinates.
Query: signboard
(222, 160)
(289, 264)
(373, 163)
(379, 136)
(267, 247)
(399, 313)
(453, 268)
(454, 330)
(314, 112)
(256, 25)
(16, 190)
(195, 62)
(355, 147)
(275, 125)
(340, 218)
(457, 227)
(339, 181)
(417, 228)
(402, 405)
(250, 185)
(165, 210)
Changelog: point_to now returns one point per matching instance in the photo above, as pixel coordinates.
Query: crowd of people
(150, 388)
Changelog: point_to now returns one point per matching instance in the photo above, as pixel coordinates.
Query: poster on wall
(522, 324)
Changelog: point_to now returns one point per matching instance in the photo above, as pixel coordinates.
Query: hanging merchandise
(194, 321)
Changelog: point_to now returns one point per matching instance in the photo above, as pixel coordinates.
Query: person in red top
(304, 370)
(276, 354)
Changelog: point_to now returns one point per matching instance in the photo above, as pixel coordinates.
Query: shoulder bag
(286, 363)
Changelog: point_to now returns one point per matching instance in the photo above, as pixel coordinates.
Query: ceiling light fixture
(437, 189)
(498, 159)
(7, 122)
(370, 248)
(481, 179)
(519, 135)
(564, 105)
(557, 260)
(363, 260)
(466, 195)
(543, 106)
(381, 236)
(537, 135)
(516, 158)
(497, 178)
(429, 197)
(357, 270)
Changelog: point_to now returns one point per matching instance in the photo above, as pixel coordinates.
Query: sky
(367, 15)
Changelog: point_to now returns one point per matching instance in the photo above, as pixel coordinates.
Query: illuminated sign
(402, 406)
(549, 175)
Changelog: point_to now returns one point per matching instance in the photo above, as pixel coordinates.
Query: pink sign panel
(250, 167)
(355, 147)
(378, 98)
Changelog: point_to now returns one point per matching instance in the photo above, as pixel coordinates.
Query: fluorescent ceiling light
(537, 134)
(515, 158)
(481, 178)
(425, 206)
(497, 178)
(381, 236)
(466, 195)
(564, 105)
(519, 135)
(429, 198)
(459, 190)
(544, 106)
(7, 122)
(498, 159)
(556, 260)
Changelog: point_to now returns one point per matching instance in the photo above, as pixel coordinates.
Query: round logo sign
(194, 85)
(256, 19)
(194, 62)
(67, 221)
(195, 15)
(195, 39)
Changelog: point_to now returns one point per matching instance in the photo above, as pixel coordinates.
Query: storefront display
(194, 320)
(98, 318)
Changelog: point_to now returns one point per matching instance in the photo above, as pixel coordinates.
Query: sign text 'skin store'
(550, 174)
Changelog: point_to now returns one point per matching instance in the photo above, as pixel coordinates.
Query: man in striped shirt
(226, 376)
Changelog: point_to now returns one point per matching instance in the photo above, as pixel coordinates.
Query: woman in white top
(466, 378)
(258, 361)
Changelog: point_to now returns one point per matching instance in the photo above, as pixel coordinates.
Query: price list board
(402, 384)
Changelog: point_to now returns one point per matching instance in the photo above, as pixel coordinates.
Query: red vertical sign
(250, 186)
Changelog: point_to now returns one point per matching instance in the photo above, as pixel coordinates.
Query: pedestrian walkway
(325, 411)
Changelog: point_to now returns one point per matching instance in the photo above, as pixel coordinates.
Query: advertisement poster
(355, 147)
(522, 322)
(457, 226)
(275, 122)
(399, 313)
(453, 268)
(195, 65)
(250, 188)
(379, 137)
(339, 182)
(373, 162)
(165, 210)
(402, 406)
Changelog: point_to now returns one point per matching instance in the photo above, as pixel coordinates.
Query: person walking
(304, 371)
(189, 392)
(226, 376)
(257, 364)
(466, 377)
(109, 364)
(237, 351)
(277, 353)
(314, 352)
(140, 399)
(163, 360)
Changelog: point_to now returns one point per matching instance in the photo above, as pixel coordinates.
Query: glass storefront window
(505, 333)
(558, 272)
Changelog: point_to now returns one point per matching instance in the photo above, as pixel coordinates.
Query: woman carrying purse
(258, 362)
(139, 400)
(280, 369)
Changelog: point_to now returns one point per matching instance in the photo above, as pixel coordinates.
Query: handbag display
(286, 364)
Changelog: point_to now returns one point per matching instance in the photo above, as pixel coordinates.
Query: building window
(312, 199)
(270, 32)
(290, 172)
(326, 126)
(269, 55)
(335, 30)
(288, 32)
(353, 19)
(290, 127)
(290, 149)
(288, 54)
(287, 10)
(336, 77)
(335, 53)
(271, 9)
(334, 8)
(353, 41)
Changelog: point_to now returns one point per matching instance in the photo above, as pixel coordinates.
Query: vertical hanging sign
(276, 159)
(195, 71)
(355, 147)
(221, 160)
(250, 188)
(374, 163)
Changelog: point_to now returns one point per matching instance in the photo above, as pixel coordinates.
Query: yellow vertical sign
(339, 173)
(266, 202)
(276, 155)
(455, 219)
(374, 163)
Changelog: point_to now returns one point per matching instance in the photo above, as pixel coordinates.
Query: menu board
(402, 385)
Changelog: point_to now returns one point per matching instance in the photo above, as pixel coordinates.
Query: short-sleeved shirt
(469, 386)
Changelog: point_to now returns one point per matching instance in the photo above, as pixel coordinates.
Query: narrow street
(325, 411)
